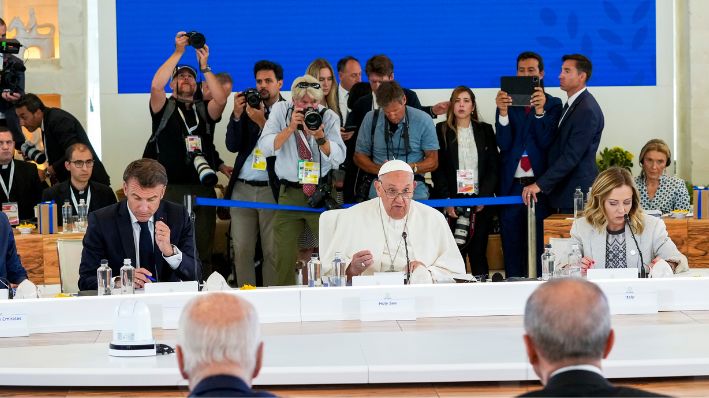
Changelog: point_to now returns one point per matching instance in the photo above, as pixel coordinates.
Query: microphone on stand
(643, 273)
(188, 202)
(408, 264)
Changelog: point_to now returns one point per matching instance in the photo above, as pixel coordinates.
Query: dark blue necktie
(145, 248)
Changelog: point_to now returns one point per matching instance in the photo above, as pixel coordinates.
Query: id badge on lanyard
(12, 211)
(193, 142)
(466, 182)
(308, 172)
(258, 161)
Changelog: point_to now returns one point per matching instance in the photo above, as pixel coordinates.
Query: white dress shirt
(173, 261)
(343, 95)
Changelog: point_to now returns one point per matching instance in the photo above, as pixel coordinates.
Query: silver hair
(208, 337)
(298, 93)
(569, 329)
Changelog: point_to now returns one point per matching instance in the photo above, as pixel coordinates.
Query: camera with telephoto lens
(322, 197)
(12, 69)
(10, 46)
(207, 176)
(312, 118)
(462, 225)
(196, 39)
(253, 98)
(33, 153)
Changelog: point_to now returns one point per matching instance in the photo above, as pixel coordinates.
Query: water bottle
(339, 268)
(578, 202)
(127, 274)
(548, 261)
(104, 276)
(67, 214)
(588, 196)
(83, 212)
(314, 269)
(575, 261)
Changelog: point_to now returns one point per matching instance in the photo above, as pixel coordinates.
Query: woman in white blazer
(611, 217)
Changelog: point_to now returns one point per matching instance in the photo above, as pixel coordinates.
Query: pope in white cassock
(370, 235)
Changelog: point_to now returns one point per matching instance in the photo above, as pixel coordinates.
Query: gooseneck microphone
(189, 203)
(642, 272)
(408, 264)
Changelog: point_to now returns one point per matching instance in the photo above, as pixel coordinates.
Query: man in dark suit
(80, 163)
(19, 180)
(11, 270)
(155, 234)
(568, 332)
(59, 130)
(572, 155)
(379, 69)
(219, 348)
(523, 135)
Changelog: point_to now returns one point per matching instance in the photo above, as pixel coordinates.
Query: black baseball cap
(180, 68)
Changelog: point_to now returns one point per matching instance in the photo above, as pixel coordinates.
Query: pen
(151, 278)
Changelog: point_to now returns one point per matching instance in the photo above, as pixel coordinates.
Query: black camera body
(10, 46)
(312, 118)
(253, 98)
(12, 67)
(196, 39)
(322, 197)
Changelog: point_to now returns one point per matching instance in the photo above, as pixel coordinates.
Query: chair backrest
(69, 260)
(327, 224)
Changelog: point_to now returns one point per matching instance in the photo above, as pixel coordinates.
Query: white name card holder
(13, 325)
(612, 273)
(631, 299)
(383, 306)
(379, 279)
(171, 287)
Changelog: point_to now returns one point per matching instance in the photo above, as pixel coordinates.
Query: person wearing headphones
(657, 190)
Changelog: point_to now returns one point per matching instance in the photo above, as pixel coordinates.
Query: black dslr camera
(11, 71)
(322, 197)
(312, 118)
(253, 98)
(196, 39)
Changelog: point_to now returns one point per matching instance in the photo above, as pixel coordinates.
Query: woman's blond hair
(331, 100)
(298, 93)
(607, 181)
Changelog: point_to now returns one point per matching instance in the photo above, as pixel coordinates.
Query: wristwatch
(321, 141)
(205, 69)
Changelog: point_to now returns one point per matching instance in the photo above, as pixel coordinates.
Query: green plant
(615, 156)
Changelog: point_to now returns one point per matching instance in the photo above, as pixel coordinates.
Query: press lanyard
(190, 130)
(8, 188)
(73, 198)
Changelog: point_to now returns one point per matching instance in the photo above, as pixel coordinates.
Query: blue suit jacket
(572, 155)
(525, 131)
(10, 268)
(225, 386)
(110, 236)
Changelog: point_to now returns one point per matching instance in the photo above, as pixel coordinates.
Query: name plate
(171, 287)
(387, 308)
(612, 273)
(171, 316)
(627, 300)
(13, 325)
(379, 279)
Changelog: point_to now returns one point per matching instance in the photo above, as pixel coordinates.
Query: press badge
(194, 143)
(259, 161)
(12, 212)
(308, 172)
(466, 182)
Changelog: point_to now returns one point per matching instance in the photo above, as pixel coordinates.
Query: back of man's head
(568, 321)
(388, 92)
(219, 333)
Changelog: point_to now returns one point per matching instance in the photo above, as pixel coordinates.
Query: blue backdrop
(433, 44)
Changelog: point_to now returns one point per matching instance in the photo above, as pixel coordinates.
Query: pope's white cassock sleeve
(430, 241)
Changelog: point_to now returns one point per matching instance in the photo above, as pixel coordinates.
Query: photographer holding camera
(182, 137)
(305, 137)
(12, 84)
(253, 179)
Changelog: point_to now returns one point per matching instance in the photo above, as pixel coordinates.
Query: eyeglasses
(392, 193)
(81, 163)
(306, 85)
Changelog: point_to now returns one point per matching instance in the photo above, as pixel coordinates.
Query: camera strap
(389, 138)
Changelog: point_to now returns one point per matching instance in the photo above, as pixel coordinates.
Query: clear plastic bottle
(578, 202)
(589, 196)
(67, 214)
(575, 261)
(548, 260)
(82, 215)
(104, 276)
(127, 274)
(339, 268)
(314, 271)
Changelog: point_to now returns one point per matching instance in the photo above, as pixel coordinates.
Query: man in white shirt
(388, 232)
(350, 72)
(568, 332)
